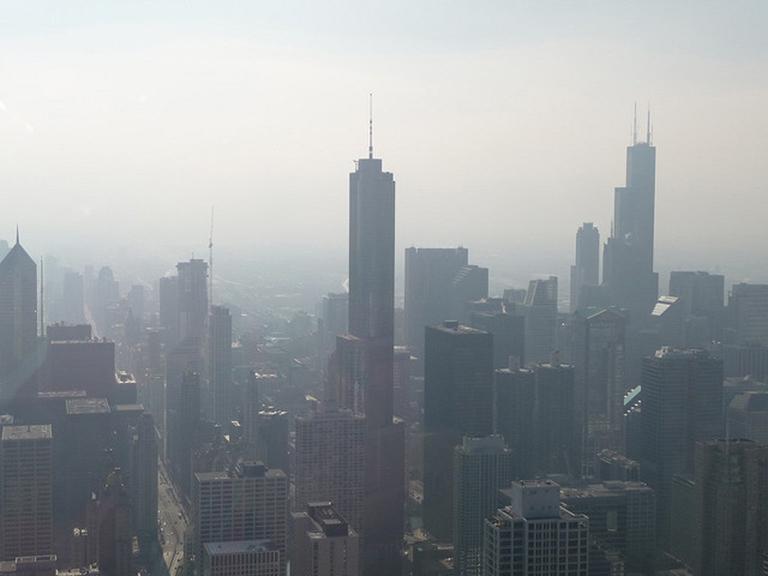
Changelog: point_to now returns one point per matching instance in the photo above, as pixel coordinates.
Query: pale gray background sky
(504, 122)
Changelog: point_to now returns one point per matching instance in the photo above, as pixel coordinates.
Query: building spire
(648, 127)
(634, 127)
(370, 125)
(17, 233)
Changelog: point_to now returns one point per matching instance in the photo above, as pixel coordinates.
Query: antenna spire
(42, 299)
(370, 125)
(634, 127)
(17, 233)
(210, 262)
(648, 127)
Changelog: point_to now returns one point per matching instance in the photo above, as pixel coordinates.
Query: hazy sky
(505, 123)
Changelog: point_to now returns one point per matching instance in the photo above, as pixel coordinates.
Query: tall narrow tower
(371, 322)
(628, 263)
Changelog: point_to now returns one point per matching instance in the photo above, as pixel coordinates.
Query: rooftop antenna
(634, 127)
(210, 261)
(370, 125)
(17, 233)
(648, 128)
(42, 298)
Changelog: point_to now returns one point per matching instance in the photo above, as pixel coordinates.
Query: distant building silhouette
(586, 270)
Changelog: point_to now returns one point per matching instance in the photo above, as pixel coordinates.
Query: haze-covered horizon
(505, 127)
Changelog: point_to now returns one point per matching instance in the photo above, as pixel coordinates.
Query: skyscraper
(586, 270)
(748, 311)
(323, 543)
(535, 535)
(192, 286)
(26, 491)
(557, 439)
(220, 365)
(732, 503)
(481, 467)
(330, 463)
(702, 296)
(371, 320)
(247, 503)
(514, 418)
(18, 313)
(540, 319)
(628, 261)
(682, 404)
(458, 401)
(429, 273)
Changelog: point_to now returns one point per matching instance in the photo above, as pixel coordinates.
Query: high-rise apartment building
(249, 502)
(586, 270)
(429, 273)
(18, 315)
(458, 401)
(481, 467)
(323, 543)
(732, 505)
(682, 404)
(26, 491)
(220, 366)
(330, 463)
(535, 535)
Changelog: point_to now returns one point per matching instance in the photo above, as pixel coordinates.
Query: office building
(429, 273)
(458, 401)
(628, 255)
(469, 284)
(540, 319)
(557, 440)
(333, 322)
(481, 467)
(702, 297)
(746, 361)
(115, 532)
(323, 543)
(682, 404)
(622, 518)
(747, 417)
(514, 407)
(586, 270)
(271, 443)
(18, 315)
(249, 502)
(748, 311)
(144, 479)
(26, 491)
(508, 330)
(241, 558)
(168, 296)
(192, 298)
(330, 463)
(732, 504)
(535, 534)
(221, 406)
(600, 363)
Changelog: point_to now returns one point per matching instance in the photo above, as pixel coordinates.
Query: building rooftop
(33, 432)
(238, 547)
(750, 402)
(453, 327)
(611, 488)
(87, 406)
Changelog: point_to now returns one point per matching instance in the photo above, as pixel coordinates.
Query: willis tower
(628, 259)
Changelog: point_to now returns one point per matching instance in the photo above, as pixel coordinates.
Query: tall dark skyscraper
(628, 262)
(192, 299)
(371, 322)
(586, 270)
(220, 365)
(682, 405)
(18, 312)
(458, 401)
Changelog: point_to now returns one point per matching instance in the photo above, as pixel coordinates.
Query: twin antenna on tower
(648, 131)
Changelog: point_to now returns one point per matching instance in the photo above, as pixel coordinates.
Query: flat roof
(87, 406)
(33, 432)
(239, 547)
